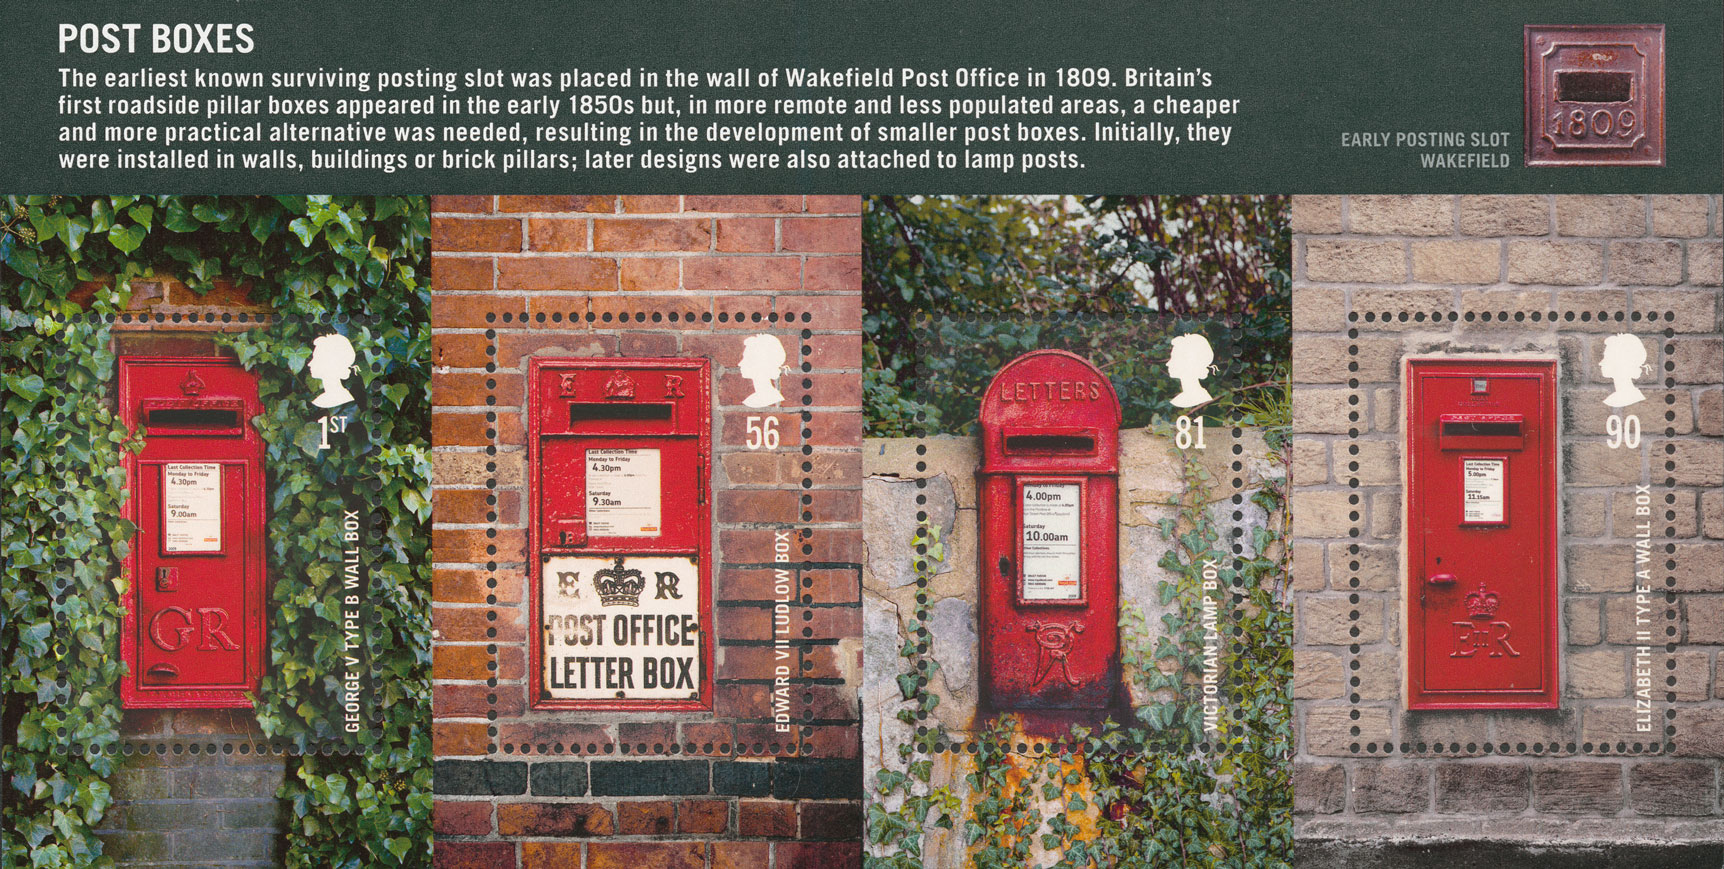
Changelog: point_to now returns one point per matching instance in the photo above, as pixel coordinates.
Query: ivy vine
(60, 604)
(919, 805)
(353, 264)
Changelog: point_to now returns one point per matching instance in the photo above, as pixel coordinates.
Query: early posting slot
(1042, 444)
(594, 412)
(201, 418)
(1594, 87)
(1453, 428)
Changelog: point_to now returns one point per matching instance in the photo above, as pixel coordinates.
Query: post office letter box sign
(193, 635)
(619, 453)
(1481, 534)
(1050, 582)
(1595, 95)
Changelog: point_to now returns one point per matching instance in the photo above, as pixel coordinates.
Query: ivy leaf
(29, 387)
(179, 218)
(126, 239)
(304, 230)
(142, 214)
(101, 215)
(907, 685)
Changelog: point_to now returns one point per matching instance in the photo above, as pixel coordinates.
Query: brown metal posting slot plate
(1594, 96)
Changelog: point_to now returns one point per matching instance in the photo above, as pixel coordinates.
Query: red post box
(1049, 484)
(1481, 534)
(193, 635)
(619, 451)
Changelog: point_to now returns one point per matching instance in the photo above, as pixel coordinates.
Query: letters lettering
(1470, 639)
(208, 626)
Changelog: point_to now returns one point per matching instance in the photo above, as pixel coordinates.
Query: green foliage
(957, 286)
(1174, 793)
(919, 805)
(961, 355)
(60, 603)
(354, 263)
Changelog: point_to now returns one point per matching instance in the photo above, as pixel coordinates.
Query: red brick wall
(515, 276)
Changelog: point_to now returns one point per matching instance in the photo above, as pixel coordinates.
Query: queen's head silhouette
(1623, 357)
(332, 359)
(762, 362)
(1189, 361)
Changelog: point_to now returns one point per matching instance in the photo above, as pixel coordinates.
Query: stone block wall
(669, 276)
(1381, 278)
(196, 788)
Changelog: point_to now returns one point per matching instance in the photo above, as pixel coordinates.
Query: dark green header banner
(857, 96)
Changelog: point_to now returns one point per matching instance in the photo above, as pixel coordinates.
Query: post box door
(193, 632)
(193, 635)
(1051, 631)
(1481, 534)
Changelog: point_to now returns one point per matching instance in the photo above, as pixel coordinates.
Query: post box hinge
(700, 480)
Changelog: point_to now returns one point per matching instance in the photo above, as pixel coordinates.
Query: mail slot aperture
(1050, 443)
(1481, 431)
(1594, 87)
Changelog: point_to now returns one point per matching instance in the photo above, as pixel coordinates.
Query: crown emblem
(193, 384)
(619, 586)
(620, 386)
(1482, 604)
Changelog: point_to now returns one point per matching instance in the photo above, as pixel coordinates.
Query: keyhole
(1005, 566)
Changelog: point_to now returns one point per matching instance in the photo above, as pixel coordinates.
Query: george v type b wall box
(193, 635)
(1595, 95)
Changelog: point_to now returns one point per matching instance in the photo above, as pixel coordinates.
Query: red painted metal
(1050, 438)
(576, 405)
(193, 635)
(1594, 95)
(1481, 534)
